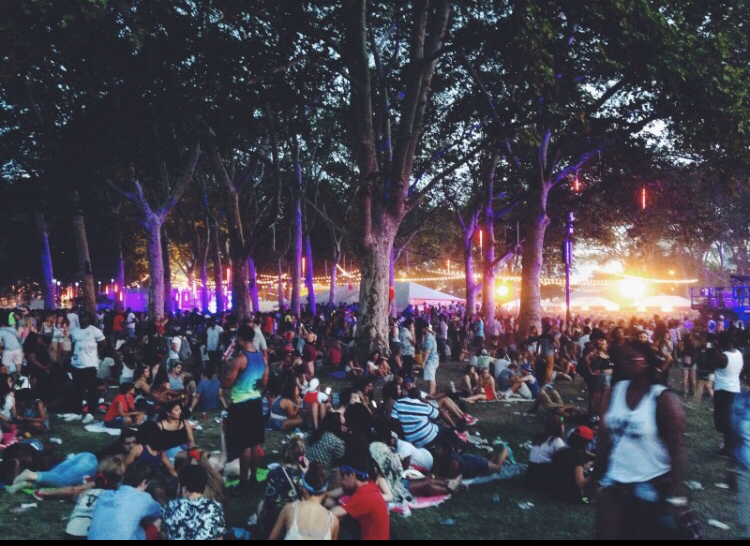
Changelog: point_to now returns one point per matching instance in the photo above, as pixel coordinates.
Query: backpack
(186, 352)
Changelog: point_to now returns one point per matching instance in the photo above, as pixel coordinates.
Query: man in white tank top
(726, 387)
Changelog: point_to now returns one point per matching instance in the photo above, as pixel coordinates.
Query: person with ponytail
(108, 477)
(308, 519)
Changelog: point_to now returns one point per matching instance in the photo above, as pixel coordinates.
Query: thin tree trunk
(471, 287)
(218, 267)
(280, 274)
(334, 270)
(488, 269)
(48, 274)
(167, 268)
(203, 272)
(120, 266)
(392, 283)
(85, 272)
(309, 274)
(533, 250)
(253, 288)
(297, 258)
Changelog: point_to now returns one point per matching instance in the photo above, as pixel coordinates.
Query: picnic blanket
(261, 474)
(419, 503)
(101, 429)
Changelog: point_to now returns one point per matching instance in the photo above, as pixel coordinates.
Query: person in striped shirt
(418, 419)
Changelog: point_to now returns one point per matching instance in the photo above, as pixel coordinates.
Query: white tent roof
(406, 293)
(592, 302)
(662, 301)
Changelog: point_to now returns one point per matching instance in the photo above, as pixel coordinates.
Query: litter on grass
(448, 522)
(526, 505)
(694, 486)
(718, 525)
(722, 485)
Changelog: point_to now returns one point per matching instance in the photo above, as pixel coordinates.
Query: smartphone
(375, 405)
(328, 391)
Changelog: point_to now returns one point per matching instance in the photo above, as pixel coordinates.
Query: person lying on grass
(452, 465)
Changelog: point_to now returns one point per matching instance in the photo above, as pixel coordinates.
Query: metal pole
(568, 262)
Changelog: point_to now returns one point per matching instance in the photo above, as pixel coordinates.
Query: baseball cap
(527, 367)
(584, 433)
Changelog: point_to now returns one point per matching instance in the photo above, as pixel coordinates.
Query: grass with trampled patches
(475, 514)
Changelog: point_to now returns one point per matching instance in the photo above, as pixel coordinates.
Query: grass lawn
(476, 515)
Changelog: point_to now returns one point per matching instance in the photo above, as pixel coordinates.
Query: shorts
(13, 360)
(430, 371)
(689, 366)
(605, 380)
(474, 467)
(244, 427)
(116, 423)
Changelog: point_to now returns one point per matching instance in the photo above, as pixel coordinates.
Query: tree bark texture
(253, 288)
(297, 258)
(530, 313)
(218, 267)
(309, 276)
(167, 275)
(85, 272)
(156, 294)
(48, 274)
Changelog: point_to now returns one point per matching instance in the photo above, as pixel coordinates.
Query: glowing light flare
(643, 199)
(502, 291)
(632, 288)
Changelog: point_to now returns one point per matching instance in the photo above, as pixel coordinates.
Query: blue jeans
(70, 472)
(742, 499)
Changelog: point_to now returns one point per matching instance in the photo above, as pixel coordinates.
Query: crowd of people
(370, 447)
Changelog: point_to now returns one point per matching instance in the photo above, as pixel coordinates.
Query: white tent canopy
(407, 293)
(593, 302)
(666, 302)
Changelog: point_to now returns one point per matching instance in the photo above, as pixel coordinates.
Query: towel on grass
(101, 429)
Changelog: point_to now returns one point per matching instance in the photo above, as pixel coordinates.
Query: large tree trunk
(167, 267)
(85, 272)
(238, 256)
(155, 249)
(309, 274)
(253, 288)
(533, 253)
(218, 267)
(297, 259)
(48, 274)
(120, 265)
(372, 329)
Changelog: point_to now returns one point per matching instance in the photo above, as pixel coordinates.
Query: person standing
(641, 453)
(213, 347)
(442, 337)
(87, 341)
(408, 346)
(727, 386)
(431, 360)
(246, 377)
(12, 346)
(741, 471)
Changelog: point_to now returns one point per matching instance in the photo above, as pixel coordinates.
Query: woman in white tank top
(308, 519)
(727, 386)
(641, 458)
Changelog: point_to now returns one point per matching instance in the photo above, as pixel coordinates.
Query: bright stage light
(632, 288)
(502, 291)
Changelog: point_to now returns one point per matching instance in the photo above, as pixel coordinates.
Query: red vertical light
(643, 199)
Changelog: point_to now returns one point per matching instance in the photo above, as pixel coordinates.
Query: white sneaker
(88, 419)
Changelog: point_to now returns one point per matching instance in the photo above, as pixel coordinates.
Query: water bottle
(453, 387)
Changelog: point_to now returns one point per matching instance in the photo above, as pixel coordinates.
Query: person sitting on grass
(108, 477)
(485, 388)
(315, 405)
(353, 369)
(326, 445)
(31, 413)
(208, 395)
(364, 514)
(285, 412)
(175, 432)
(470, 380)
(524, 386)
(453, 416)
(129, 513)
(570, 468)
(544, 446)
(193, 516)
(307, 519)
(550, 400)
(121, 413)
(283, 486)
(146, 450)
(454, 466)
